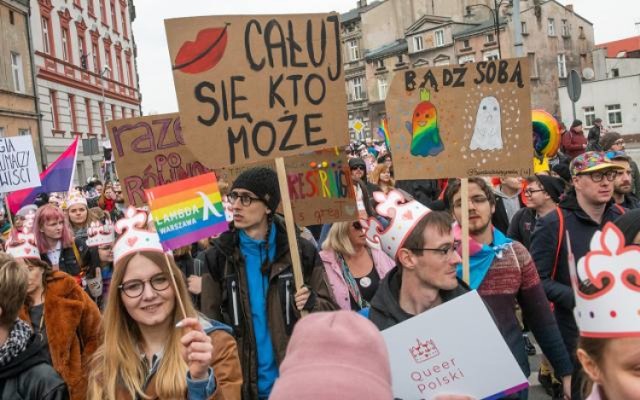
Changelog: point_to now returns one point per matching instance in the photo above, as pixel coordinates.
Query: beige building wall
(17, 101)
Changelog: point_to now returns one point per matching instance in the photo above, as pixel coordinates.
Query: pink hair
(45, 214)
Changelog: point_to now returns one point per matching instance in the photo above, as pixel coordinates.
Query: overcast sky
(156, 83)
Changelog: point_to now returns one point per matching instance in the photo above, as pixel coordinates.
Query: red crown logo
(134, 235)
(613, 270)
(424, 351)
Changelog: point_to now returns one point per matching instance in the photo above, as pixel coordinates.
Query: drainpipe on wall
(43, 153)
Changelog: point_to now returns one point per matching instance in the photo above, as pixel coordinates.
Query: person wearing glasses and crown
(584, 210)
(144, 354)
(250, 284)
(353, 267)
(422, 244)
(503, 273)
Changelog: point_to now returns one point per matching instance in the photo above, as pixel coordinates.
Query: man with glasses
(251, 285)
(543, 195)
(613, 142)
(503, 273)
(582, 212)
(623, 185)
(425, 273)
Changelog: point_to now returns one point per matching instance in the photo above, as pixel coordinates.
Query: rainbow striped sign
(187, 211)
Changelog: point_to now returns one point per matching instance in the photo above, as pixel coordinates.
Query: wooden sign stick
(464, 197)
(175, 286)
(291, 227)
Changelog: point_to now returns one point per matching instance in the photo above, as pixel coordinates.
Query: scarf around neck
(16, 342)
(481, 256)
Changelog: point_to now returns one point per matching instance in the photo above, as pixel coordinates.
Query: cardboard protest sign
(253, 88)
(18, 166)
(320, 186)
(434, 353)
(461, 120)
(187, 211)
(150, 151)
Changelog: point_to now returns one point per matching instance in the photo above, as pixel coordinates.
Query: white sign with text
(454, 348)
(18, 166)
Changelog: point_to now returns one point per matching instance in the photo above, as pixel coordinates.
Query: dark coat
(500, 220)
(544, 243)
(29, 376)
(69, 262)
(385, 309)
(227, 278)
(425, 191)
(593, 139)
(631, 202)
(522, 226)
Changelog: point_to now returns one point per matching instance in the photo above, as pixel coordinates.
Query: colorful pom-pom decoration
(546, 133)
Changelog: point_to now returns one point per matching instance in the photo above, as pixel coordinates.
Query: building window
(129, 73)
(614, 115)
(46, 36)
(465, 44)
(418, 43)
(12, 19)
(581, 32)
(524, 28)
(103, 12)
(533, 65)
(17, 73)
(123, 112)
(566, 28)
(490, 55)
(357, 92)
(82, 51)
(66, 45)
(114, 23)
(72, 113)
(379, 63)
(107, 55)
(466, 59)
(615, 72)
(124, 23)
(551, 27)
(119, 66)
(113, 112)
(439, 38)
(382, 87)
(490, 38)
(87, 108)
(1, 131)
(95, 53)
(354, 51)
(54, 109)
(24, 132)
(562, 66)
(589, 116)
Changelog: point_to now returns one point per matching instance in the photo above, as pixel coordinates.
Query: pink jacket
(381, 261)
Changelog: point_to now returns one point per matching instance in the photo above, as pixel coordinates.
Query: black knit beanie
(263, 182)
(575, 123)
(552, 185)
(629, 224)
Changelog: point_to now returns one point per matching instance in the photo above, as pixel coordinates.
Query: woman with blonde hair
(143, 354)
(78, 215)
(354, 268)
(381, 176)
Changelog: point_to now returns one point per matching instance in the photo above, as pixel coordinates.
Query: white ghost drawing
(487, 133)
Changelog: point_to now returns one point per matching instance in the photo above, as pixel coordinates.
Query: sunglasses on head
(360, 167)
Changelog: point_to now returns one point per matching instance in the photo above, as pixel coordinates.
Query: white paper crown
(99, 234)
(75, 198)
(134, 235)
(403, 216)
(612, 311)
(23, 245)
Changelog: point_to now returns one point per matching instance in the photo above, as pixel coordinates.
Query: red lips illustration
(204, 53)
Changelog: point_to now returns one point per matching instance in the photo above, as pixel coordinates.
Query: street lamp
(495, 13)
(105, 70)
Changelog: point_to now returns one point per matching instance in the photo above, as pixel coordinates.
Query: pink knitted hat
(334, 355)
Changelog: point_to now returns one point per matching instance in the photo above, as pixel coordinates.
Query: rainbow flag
(383, 131)
(187, 211)
(58, 177)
